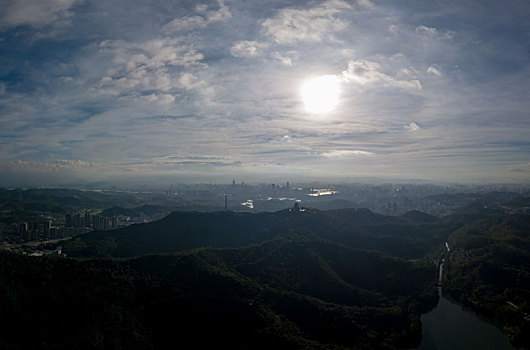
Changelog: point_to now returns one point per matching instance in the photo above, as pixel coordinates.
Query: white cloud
(432, 32)
(222, 14)
(285, 60)
(365, 72)
(287, 138)
(35, 13)
(152, 54)
(148, 66)
(290, 26)
(428, 31)
(197, 22)
(185, 23)
(434, 71)
(393, 29)
(158, 98)
(245, 48)
(3, 88)
(201, 8)
(412, 127)
(406, 73)
(188, 81)
(366, 4)
(348, 53)
(345, 153)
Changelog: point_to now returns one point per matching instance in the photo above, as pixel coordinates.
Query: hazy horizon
(330, 91)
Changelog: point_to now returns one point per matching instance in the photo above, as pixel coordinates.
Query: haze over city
(257, 90)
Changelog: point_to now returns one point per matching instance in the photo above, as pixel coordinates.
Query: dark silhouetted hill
(289, 293)
(358, 228)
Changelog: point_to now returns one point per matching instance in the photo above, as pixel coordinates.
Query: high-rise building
(47, 228)
(23, 230)
(77, 220)
(87, 219)
(69, 222)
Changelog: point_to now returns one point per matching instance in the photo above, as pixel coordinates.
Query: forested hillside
(489, 271)
(359, 228)
(292, 292)
(345, 278)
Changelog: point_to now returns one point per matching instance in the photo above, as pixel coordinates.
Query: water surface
(448, 326)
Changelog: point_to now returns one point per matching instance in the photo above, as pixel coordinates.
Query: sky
(94, 90)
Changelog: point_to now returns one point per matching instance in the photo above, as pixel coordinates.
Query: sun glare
(321, 94)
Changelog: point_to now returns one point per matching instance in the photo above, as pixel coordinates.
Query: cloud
(345, 153)
(153, 53)
(140, 68)
(158, 98)
(432, 32)
(287, 138)
(519, 168)
(252, 49)
(434, 71)
(35, 13)
(184, 162)
(366, 4)
(185, 23)
(245, 48)
(189, 23)
(412, 127)
(285, 60)
(365, 72)
(52, 165)
(290, 26)
(428, 31)
(164, 79)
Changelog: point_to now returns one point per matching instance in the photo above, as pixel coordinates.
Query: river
(448, 326)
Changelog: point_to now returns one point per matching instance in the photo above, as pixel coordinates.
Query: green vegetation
(338, 279)
(292, 292)
(359, 228)
(489, 272)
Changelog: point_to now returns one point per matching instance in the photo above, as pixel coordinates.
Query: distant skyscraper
(226, 202)
(47, 228)
(69, 222)
(87, 218)
(287, 184)
(23, 230)
(233, 182)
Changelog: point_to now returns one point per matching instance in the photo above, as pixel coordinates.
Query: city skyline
(215, 90)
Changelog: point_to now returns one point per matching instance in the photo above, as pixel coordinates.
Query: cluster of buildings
(76, 223)
(36, 230)
(90, 221)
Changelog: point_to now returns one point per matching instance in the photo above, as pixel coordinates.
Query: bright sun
(321, 94)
